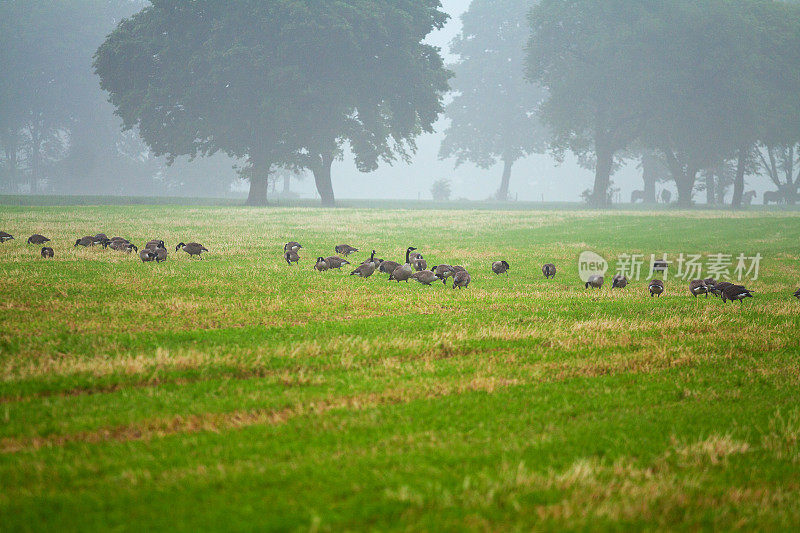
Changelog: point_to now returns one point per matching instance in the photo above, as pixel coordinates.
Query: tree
(586, 54)
(441, 190)
(280, 83)
(492, 114)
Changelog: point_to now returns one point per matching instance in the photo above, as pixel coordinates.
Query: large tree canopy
(282, 83)
(493, 113)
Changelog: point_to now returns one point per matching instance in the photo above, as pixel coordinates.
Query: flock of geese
(415, 266)
(154, 250)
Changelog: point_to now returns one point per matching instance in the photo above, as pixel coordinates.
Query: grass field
(238, 393)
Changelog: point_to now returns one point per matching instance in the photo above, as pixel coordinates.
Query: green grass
(238, 393)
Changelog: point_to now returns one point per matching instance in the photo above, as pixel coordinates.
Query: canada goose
(698, 286)
(387, 267)
(85, 241)
(37, 239)
(155, 243)
(5, 237)
(719, 287)
(335, 261)
(461, 279)
(443, 272)
(122, 246)
(595, 282)
(797, 294)
(47, 252)
(161, 254)
(419, 264)
(549, 270)
(413, 256)
(344, 249)
(404, 271)
(735, 292)
(193, 248)
(710, 285)
(101, 238)
(426, 277)
(147, 255)
(291, 256)
(619, 281)
(656, 288)
(321, 265)
(458, 268)
(372, 260)
(365, 269)
(500, 267)
(291, 245)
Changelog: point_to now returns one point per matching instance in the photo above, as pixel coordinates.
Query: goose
(344, 249)
(414, 256)
(549, 270)
(426, 277)
(291, 256)
(123, 246)
(335, 261)
(155, 243)
(443, 272)
(291, 245)
(404, 271)
(719, 287)
(797, 294)
(372, 260)
(698, 286)
(458, 268)
(37, 239)
(461, 279)
(500, 267)
(419, 264)
(321, 265)
(161, 254)
(5, 237)
(656, 288)
(85, 241)
(47, 252)
(101, 238)
(619, 281)
(594, 281)
(387, 267)
(365, 269)
(735, 292)
(147, 255)
(193, 248)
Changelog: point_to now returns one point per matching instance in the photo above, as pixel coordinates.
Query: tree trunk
(322, 179)
(738, 183)
(259, 178)
(711, 197)
(287, 178)
(649, 178)
(502, 192)
(602, 174)
(685, 183)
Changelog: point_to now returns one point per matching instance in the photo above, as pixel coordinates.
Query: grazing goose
(549, 270)
(419, 264)
(619, 281)
(122, 246)
(698, 286)
(426, 277)
(147, 255)
(47, 252)
(461, 279)
(161, 254)
(5, 237)
(500, 267)
(458, 268)
(719, 287)
(102, 238)
(594, 282)
(291, 245)
(797, 294)
(413, 256)
(387, 267)
(85, 241)
(344, 249)
(291, 256)
(155, 243)
(373, 260)
(443, 272)
(335, 261)
(735, 292)
(404, 271)
(365, 269)
(37, 239)
(656, 288)
(321, 265)
(193, 248)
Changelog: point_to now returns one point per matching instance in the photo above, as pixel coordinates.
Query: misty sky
(535, 178)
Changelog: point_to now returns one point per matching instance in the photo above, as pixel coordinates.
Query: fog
(59, 135)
